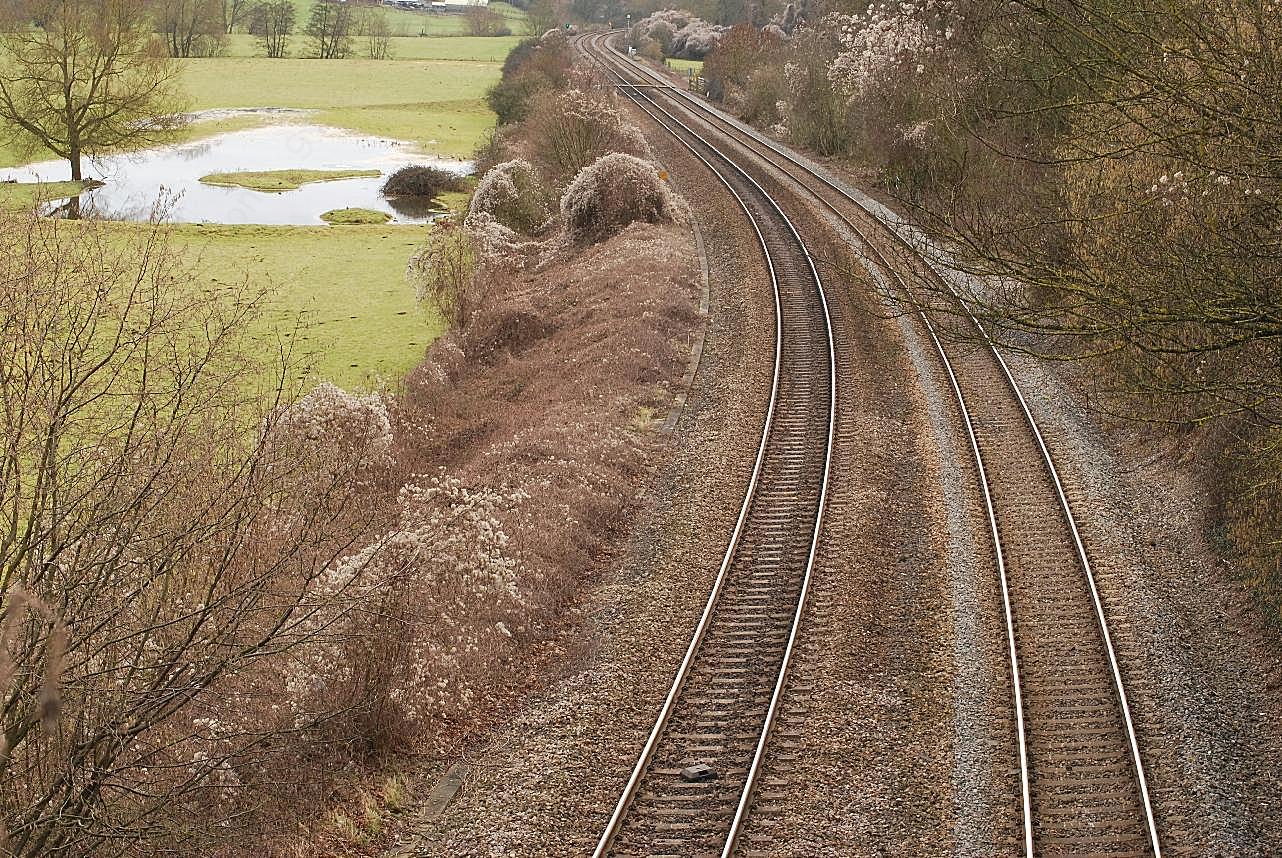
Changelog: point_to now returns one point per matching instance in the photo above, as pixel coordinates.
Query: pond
(135, 182)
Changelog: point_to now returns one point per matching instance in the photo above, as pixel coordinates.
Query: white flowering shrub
(439, 600)
(696, 40)
(350, 427)
(510, 194)
(792, 16)
(613, 192)
(889, 38)
(677, 33)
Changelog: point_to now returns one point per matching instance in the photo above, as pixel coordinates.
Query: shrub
(416, 180)
(742, 51)
(490, 151)
(355, 426)
(443, 271)
(569, 130)
(429, 639)
(817, 115)
(512, 195)
(532, 67)
(613, 192)
(676, 33)
(167, 558)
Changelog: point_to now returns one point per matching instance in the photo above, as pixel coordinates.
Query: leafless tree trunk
(88, 80)
(330, 29)
(165, 542)
(278, 26)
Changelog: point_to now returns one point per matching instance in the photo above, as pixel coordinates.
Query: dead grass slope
(551, 386)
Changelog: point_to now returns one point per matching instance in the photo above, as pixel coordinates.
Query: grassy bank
(25, 195)
(276, 181)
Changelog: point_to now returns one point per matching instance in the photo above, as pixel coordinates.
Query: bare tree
(277, 22)
(233, 12)
(484, 21)
(91, 78)
(166, 541)
(373, 27)
(330, 29)
(444, 272)
(192, 28)
(543, 15)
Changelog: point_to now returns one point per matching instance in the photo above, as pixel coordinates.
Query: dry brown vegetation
(224, 603)
(170, 533)
(526, 437)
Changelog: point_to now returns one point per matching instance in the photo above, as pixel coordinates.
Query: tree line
(196, 28)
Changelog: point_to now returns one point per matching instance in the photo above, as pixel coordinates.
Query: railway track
(1082, 784)
(725, 698)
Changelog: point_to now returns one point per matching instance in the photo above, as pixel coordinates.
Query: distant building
(435, 5)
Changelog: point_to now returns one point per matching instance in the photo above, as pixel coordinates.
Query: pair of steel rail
(627, 73)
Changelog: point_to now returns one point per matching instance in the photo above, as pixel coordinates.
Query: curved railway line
(725, 698)
(1082, 783)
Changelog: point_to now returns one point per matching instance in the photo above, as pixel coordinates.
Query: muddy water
(167, 179)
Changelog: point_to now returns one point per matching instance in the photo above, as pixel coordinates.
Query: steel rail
(625, 800)
(1065, 505)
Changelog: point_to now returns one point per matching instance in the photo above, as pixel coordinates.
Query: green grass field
(276, 181)
(437, 104)
(355, 217)
(685, 65)
(347, 283)
(489, 49)
(25, 195)
(406, 23)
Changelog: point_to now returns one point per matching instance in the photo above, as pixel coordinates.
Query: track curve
(1083, 785)
(725, 697)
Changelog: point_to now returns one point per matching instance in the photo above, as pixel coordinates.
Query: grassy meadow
(345, 282)
(403, 22)
(439, 105)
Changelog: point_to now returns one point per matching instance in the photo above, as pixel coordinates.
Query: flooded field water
(169, 177)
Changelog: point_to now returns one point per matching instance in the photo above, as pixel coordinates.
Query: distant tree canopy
(192, 28)
(329, 27)
(91, 78)
(273, 22)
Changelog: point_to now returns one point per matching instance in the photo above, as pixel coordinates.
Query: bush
(419, 181)
(615, 191)
(532, 67)
(676, 33)
(444, 271)
(569, 130)
(512, 195)
(170, 559)
(490, 151)
(817, 116)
